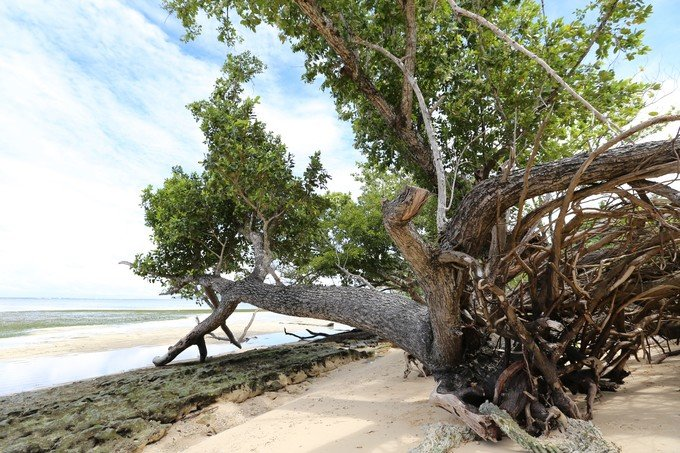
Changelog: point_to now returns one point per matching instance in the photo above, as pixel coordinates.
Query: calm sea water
(56, 304)
(29, 321)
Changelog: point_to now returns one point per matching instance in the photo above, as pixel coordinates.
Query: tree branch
(476, 213)
(397, 215)
(409, 7)
(417, 151)
(429, 128)
(520, 48)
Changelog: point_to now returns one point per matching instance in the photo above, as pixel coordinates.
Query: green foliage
(493, 98)
(352, 235)
(190, 227)
(200, 223)
(492, 102)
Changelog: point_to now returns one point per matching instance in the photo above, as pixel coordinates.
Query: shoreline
(58, 356)
(58, 341)
(365, 404)
(22, 323)
(126, 411)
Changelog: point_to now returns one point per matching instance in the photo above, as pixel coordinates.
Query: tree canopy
(203, 223)
(549, 256)
(488, 99)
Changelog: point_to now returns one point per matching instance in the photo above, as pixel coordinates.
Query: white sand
(364, 406)
(367, 406)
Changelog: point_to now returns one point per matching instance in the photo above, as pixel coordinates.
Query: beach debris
(575, 436)
(412, 362)
(444, 438)
(311, 334)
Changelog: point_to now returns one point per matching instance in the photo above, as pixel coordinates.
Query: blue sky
(92, 109)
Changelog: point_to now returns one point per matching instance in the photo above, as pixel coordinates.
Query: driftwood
(307, 338)
(483, 425)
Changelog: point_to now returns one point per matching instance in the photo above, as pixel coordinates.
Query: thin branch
(527, 171)
(409, 7)
(361, 279)
(576, 179)
(311, 334)
(417, 151)
(242, 337)
(520, 48)
(429, 128)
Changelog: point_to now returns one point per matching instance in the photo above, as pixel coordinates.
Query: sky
(92, 110)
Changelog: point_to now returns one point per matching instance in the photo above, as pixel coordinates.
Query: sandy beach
(363, 406)
(367, 406)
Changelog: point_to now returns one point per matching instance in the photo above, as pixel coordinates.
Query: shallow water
(49, 321)
(21, 316)
(35, 373)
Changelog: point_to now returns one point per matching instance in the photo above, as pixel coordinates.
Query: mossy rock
(125, 412)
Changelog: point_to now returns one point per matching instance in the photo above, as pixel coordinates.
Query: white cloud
(93, 109)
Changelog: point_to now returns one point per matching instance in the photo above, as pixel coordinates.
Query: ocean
(20, 316)
(57, 304)
(31, 321)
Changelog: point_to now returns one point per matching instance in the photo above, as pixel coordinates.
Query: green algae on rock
(127, 411)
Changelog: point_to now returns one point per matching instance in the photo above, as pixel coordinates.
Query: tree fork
(442, 284)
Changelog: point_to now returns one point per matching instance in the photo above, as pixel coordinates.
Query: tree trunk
(390, 316)
(442, 286)
(455, 272)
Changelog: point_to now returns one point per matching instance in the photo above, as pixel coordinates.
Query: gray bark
(442, 285)
(390, 316)
(477, 213)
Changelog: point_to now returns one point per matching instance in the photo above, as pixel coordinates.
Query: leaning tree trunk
(390, 316)
(520, 345)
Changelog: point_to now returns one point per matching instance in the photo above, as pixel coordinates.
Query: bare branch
(242, 337)
(361, 279)
(559, 225)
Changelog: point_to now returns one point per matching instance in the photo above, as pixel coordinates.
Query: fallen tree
(598, 308)
(545, 277)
